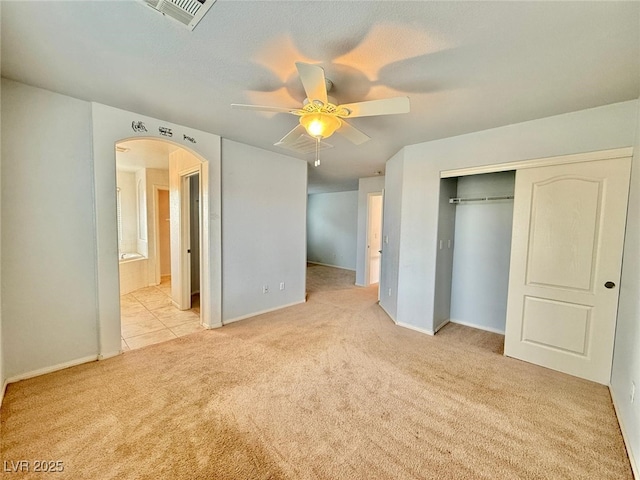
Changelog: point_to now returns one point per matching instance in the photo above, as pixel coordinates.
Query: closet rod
(480, 199)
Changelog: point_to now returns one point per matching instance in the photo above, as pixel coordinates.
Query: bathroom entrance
(151, 220)
(113, 127)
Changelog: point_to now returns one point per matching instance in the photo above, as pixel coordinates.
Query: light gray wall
(365, 187)
(444, 260)
(481, 252)
(391, 234)
(264, 200)
(48, 262)
(601, 128)
(332, 226)
(626, 357)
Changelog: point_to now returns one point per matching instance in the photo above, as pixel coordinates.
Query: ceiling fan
(320, 115)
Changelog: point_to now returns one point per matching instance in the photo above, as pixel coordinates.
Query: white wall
(126, 182)
(142, 242)
(48, 248)
(601, 128)
(332, 225)
(164, 247)
(264, 199)
(391, 234)
(481, 252)
(155, 177)
(626, 356)
(365, 187)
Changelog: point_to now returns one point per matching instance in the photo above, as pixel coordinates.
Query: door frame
(183, 302)
(541, 162)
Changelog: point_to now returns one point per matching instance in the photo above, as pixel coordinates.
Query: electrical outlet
(386, 239)
(281, 285)
(389, 292)
(265, 289)
(440, 244)
(632, 395)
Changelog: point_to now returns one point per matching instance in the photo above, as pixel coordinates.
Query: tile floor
(149, 317)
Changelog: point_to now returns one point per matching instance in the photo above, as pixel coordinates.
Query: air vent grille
(304, 144)
(187, 12)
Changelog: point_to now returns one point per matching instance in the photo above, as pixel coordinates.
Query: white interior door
(374, 234)
(185, 233)
(566, 256)
(194, 232)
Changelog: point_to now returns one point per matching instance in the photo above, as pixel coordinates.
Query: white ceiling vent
(304, 144)
(187, 12)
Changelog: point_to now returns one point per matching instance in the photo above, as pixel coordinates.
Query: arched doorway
(112, 126)
(159, 222)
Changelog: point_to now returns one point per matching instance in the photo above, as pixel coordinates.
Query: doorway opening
(374, 238)
(190, 188)
(147, 247)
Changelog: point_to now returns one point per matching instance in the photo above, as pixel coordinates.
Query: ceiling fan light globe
(320, 125)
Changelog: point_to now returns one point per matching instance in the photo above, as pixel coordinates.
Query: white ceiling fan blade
(353, 134)
(263, 108)
(292, 136)
(313, 81)
(386, 106)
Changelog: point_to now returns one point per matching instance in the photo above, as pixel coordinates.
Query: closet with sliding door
(475, 227)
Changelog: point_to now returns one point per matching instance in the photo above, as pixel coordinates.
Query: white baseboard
(255, 314)
(388, 314)
(4, 389)
(417, 329)
(332, 266)
(211, 327)
(441, 325)
(406, 325)
(479, 327)
(53, 368)
(634, 466)
(104, 356)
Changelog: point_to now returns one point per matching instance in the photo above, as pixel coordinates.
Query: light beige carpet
(330, 389)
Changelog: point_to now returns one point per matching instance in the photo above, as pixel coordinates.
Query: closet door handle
(609, 285)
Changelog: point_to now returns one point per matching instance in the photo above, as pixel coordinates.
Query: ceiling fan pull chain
(317, 162)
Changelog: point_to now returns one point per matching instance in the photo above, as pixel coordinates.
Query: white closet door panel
(568, 235)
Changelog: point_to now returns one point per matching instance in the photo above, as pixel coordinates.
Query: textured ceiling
(466, 66)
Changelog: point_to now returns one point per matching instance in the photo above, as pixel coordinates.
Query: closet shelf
(458, 200)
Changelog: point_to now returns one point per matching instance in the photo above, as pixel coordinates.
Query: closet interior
(474, 248)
